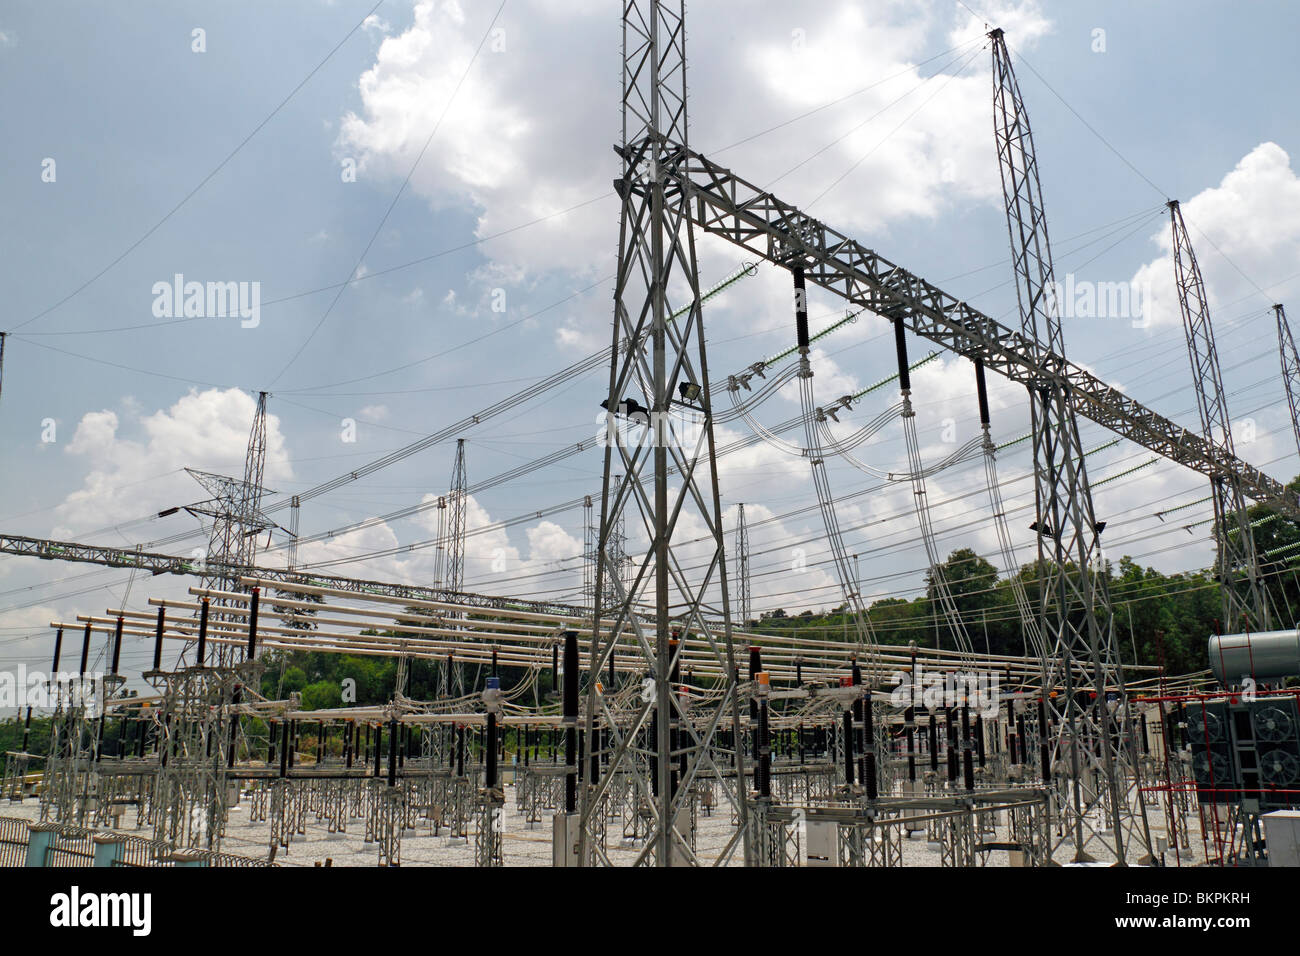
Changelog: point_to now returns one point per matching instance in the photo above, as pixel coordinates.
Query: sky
(425, 229)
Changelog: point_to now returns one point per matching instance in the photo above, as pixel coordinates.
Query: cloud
(1250, 220)
(504, 151)
(206, 430)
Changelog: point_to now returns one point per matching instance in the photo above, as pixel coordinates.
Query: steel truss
(1075, 612)
(724, 204)
(651, 357)
(1245, 600)
(1290, 368)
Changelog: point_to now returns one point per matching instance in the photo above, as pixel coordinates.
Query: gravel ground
(525, 846)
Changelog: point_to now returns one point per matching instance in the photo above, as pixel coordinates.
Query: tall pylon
(456, 504)
(235, 508)
(1290, 368)
(742, 566)
(659, 416)
(1075, 613)
(1245, 600)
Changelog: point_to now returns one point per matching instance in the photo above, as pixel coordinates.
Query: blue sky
(1194, 97)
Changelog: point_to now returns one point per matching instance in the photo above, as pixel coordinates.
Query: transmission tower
(660, 364)
(235, 507)
(1245, 602)
(294, 506)
(617, 564)
(1075, 613)
(456, 499)
(742, 566)
(1290, 367)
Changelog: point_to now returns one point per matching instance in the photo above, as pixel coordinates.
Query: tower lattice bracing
(1245, 601)
(742, 567)
(237, 519)
(659, 363)
(456, 503)
(1075, 612)
(1290, 368)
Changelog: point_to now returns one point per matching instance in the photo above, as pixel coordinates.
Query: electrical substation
(652, 720)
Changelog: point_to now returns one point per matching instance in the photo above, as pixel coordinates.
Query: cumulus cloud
(207, 430)
(1251, 219)
(910, 131)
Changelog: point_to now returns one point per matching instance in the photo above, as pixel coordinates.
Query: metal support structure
(237, 518)
(1075, 612)
(726, 205)
(742, 566)
(659, 414)
(1245, 600)
(292, 560)
(456, 499)
(1290, 368)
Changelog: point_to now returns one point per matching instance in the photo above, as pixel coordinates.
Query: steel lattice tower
(455, 560)
(1290, 367)
(742, 566)
(615, 565)
(654, 361)
(1245, 602)
(1075, 612)
(237, 519)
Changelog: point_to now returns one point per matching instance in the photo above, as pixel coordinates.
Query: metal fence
(13, 841)
(74, 846)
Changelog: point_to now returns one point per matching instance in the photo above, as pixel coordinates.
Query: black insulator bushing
(27, 730)
(85, 651)
(954, 746)
(981, 391)
(117, 645)
(1044, 748)
(909, 719)
(967, 757)
(900, 347)
(158, 638)
(252, 623)
(571, 721)
(848, 747)
(934, 742)
(58, 651)
(490, 749)
(203, 631)
(869, 732)
(800, 308)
